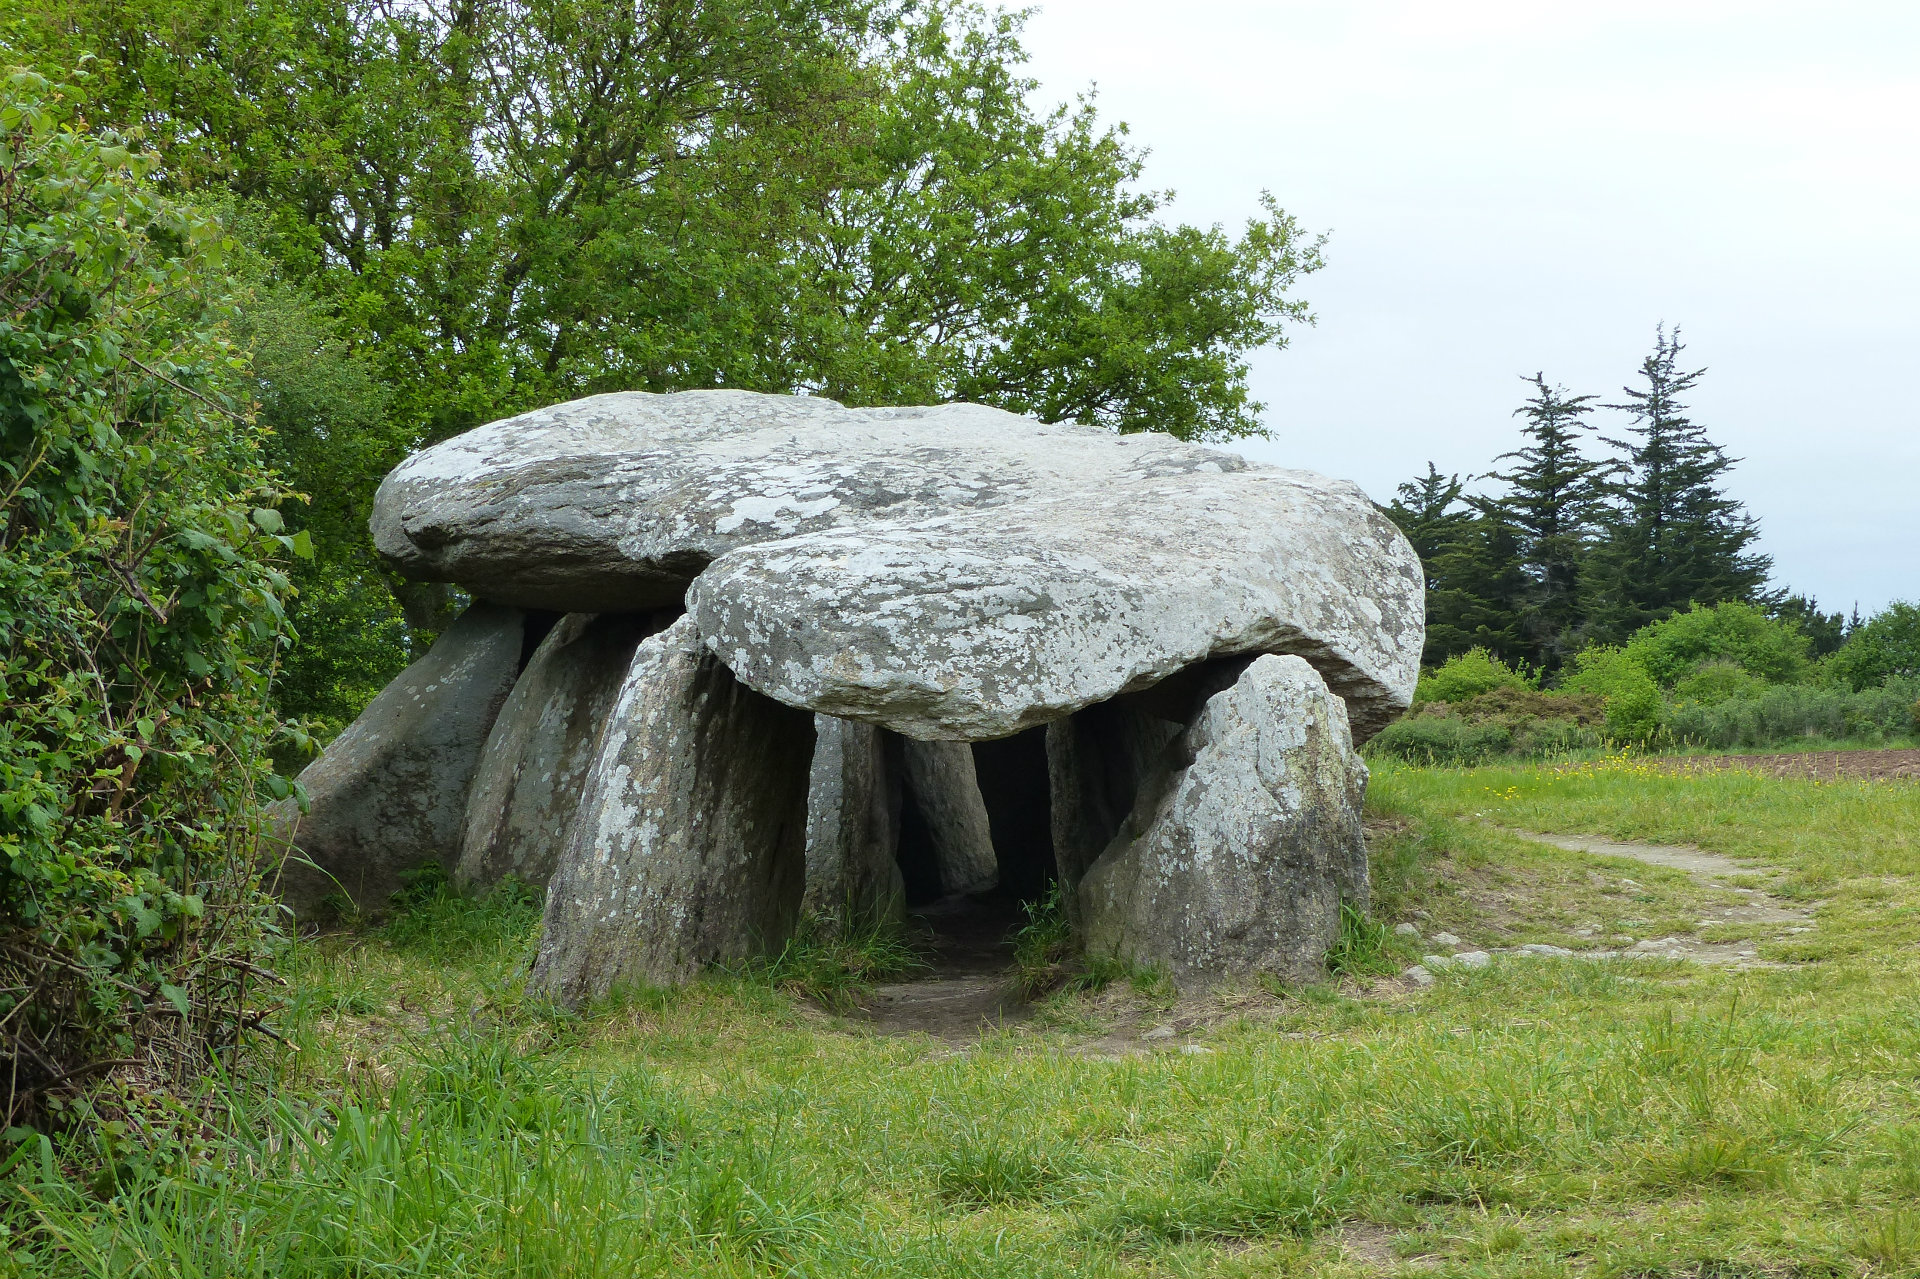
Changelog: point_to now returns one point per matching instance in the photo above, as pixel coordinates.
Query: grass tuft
(835, 965)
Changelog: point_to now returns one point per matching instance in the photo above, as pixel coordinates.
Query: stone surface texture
(690, 844)
(853, 827)
(950, 573)
(390, 793)
(940, 776)
(1240, 849)
(536, 758)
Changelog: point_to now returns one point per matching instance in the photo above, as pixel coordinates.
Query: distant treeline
(1574, 548)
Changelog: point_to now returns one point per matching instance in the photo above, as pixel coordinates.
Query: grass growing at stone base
(1537, 1117)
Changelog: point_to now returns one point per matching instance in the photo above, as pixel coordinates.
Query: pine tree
(1673, 538)
(1552, 502)
(1471, 560)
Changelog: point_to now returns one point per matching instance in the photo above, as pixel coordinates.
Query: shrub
(1441, 739)
(1502, 721)
(1467, 675)
(1635, 711)
(1735, 634)
(139, 615)
(1793, 712)
(1887, 647)
(1716, 681)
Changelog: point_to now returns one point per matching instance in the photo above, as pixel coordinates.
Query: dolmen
(738, 664)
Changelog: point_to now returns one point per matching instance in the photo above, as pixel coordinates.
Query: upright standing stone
(1237, 856)
(528, 785)
(1097, 761)
(690, 844)
(940, 776)
(853, 827)
(389, 794)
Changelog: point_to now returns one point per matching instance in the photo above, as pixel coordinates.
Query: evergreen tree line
(1575, 546)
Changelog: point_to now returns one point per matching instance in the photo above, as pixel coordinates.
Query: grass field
(1540, 1116)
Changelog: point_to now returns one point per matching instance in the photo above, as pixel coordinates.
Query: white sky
(1520, 186)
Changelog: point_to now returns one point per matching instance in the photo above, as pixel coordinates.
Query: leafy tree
(1885, 647)
(1635, 710)
(496, 205)
(1553, 502)
(140, 614)
(326, 422)
(1673, 537)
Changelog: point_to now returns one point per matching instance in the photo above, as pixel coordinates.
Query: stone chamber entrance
(966, 931)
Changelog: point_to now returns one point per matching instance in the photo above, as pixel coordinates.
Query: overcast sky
(1522, 186)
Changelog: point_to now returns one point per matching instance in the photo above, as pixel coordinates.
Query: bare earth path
(1755, 906)
(970, 986)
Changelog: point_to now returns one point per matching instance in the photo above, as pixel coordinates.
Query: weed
(1043, 945)
(834, 964)
(1365, 947)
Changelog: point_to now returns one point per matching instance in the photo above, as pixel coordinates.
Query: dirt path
(1754, 905)
(970, 985)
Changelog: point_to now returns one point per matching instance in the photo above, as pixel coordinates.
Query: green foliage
(1739, 635)
(837, 964)
(1365, 948)
(140, 616)
(1553, 499)
(1635, 710)
(1886, 647)
(855, 198)
(1672, 537)
(1472, 559)
(1467, 675)
(328, 429)
(1505, 721)
(1044, 944)
(1798, 713)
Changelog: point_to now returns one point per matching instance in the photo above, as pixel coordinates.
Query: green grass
(1536, 1117)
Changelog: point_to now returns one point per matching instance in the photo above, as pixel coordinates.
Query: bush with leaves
(140, 615)
(1886, 648)
(1732, 634)
(1635, 711)
(1469, 674)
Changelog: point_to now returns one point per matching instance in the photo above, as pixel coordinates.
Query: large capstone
(535, 761)
(389, 794)
(690, 844)
(951, 573)
(1243, 842)
(921, 653)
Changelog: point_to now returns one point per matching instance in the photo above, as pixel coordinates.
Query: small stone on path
(1405, 930)
(1159, 1032)
(1473, 959)
(1445, 939)
(1418, 976)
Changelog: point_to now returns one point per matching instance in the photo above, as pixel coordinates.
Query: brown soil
(970, 987)
(1820, 766)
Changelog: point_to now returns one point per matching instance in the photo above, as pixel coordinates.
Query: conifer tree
(1471, 559)
(1552, 503)
(1673, 537)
